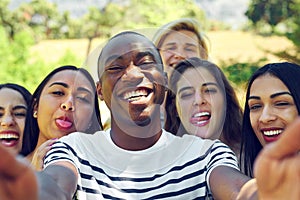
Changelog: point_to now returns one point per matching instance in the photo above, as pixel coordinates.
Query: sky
(228, 11)
(231, 12)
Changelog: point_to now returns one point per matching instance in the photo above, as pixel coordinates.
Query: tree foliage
(15, 64)
(12, 21)
(146, 13)
(294, 24)
(40, 19)
(271, 12)
(275, 12)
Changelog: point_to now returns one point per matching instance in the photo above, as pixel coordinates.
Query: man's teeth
(8, 136)
(134, 95)
(201, 114)
(273, 132)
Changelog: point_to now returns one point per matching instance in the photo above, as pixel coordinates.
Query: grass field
(224, 46)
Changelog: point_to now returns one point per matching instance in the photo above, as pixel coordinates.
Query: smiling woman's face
(66, 105)
(13, 110)
(177, 46)
(272, 108)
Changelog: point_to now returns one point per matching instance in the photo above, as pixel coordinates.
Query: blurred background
(39, 35)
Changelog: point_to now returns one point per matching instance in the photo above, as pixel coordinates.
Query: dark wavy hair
(22, 90)
(231, 133)
(289, 74)
(31, 131)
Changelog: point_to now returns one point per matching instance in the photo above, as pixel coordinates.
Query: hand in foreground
(17, 178)
(277, 168)
(39, 155)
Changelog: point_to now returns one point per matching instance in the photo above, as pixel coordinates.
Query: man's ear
(99, 90)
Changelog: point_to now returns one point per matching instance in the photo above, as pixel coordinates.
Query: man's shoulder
(187, 137)
(81, 136)
(190, 141)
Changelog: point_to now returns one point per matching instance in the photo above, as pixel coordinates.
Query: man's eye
(147, 65)
(114, 68)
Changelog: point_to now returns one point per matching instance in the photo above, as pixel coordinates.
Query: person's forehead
(10, 96)
(70, 77)
(197, 75)
(128, 43)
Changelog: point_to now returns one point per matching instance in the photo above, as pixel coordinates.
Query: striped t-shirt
(173, 168)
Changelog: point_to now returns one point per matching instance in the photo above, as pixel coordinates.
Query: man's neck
(135, 138)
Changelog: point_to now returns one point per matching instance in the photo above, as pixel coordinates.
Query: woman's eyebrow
(19, 107)
(279, 93)
(272, 95)
(59, 83)
(254, 97)
(84, 90)
(209, 83)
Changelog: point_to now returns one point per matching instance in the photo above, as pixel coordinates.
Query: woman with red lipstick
(272, 103)
(14, 102)
(65, 101)
(202, 102)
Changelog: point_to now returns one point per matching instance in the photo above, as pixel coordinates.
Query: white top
(173, 168)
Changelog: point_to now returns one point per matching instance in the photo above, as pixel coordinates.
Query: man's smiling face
(132, 81)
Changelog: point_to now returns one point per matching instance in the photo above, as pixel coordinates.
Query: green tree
(99, 22)
(12, 21)
(44, 18)
(294, 24)
(16, 65)
(154, 13)
(271, 12)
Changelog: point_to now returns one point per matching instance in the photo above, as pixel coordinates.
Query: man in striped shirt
(136, 158)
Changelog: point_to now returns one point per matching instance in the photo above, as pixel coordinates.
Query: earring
(35, 114)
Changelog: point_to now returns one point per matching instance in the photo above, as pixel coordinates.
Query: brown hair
(231, 133)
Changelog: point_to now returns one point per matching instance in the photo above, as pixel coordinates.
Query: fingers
(10, 167)
(39, 155)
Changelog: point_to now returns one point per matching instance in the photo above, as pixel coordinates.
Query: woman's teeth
(272, 132)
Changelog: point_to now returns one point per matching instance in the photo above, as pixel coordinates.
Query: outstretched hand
(17, 178)
(277, 168)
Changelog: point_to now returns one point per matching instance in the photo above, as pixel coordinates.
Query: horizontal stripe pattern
(176, 175)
